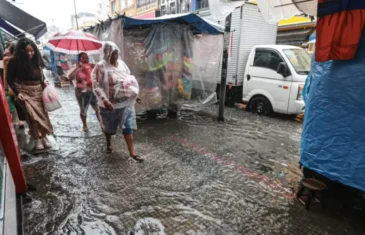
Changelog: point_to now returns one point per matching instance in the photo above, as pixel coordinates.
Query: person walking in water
(117, 92)
(85, 96)
(25, 78)
(19, 114)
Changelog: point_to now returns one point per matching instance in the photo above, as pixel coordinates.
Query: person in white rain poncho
(117, 92)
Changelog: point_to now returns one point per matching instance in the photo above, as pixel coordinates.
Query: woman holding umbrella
(85, 96)
(74, 42)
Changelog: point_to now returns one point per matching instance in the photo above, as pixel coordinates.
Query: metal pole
(77, 23)
(222, 92)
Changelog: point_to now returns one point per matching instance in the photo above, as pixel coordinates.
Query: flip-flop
(137, 158)
(109, 150)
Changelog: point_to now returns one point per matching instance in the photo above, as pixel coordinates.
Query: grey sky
(58, 11)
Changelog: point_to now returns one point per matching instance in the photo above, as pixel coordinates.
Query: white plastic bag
(51, 99)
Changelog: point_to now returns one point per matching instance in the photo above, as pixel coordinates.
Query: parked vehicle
(268, 77)
(248, 29)
(274, 79)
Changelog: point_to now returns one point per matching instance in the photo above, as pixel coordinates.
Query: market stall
(333, 143)
(174, 58)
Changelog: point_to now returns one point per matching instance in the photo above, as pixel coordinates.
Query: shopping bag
(125, 88)
(51, 99)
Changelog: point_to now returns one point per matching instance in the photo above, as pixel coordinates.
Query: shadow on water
(200, 177)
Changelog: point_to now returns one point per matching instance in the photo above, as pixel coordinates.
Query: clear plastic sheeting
(115, 34)
(108, 31)
(333, 141)
(170, 69)
(101, 30)
(276, 10)
(220, 9)
(207, 51)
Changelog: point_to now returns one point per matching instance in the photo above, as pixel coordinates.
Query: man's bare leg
(129, 140)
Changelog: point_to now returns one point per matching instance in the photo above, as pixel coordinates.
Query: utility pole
(222, 93)
(77, 23)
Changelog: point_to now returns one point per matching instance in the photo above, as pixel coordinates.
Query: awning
(22, 20)
(293, 37)
(7, 36)
(198, 24)
(9, 28)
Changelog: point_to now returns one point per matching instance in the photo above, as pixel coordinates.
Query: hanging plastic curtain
(171, 64)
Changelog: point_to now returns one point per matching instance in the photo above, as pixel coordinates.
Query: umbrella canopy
(74, 42)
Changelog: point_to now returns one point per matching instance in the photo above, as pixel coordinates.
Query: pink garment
(83, 76)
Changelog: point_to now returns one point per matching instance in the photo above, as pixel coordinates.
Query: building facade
(127, 7)
(153, 8)
(135, 8)
(102, 10)
(83, 20)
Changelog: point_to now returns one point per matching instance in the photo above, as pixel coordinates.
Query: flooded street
(199, 177)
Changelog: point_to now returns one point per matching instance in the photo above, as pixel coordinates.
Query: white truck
(253, 38)
(274, 79)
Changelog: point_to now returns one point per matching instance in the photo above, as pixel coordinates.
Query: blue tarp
(313, 36)
(198, 24)
(9, 28)
(333, 140)
(330, 7)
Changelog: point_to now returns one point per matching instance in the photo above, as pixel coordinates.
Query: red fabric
(75, 41)
(83, 76)
(76, 44)
(338, 35)
(9, 144)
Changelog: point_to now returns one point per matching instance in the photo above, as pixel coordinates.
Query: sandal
(109, 150)
(137, 158)
(21, 124)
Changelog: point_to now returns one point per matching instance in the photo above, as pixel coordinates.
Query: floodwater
(200, 177)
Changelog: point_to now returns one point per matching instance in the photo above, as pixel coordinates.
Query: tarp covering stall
(175, 59)
(10, 32)
(333, 141)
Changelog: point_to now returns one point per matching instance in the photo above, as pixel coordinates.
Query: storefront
(295, 31)
(148, 15)
(147, 9)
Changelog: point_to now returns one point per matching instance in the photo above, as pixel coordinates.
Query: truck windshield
(300, 59)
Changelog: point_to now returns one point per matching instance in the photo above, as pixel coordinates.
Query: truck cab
(274, 79)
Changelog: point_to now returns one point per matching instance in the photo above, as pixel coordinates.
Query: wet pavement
(200, 177)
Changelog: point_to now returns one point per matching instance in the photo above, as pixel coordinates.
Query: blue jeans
(118, 118)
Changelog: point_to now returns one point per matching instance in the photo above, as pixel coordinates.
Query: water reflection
(200, 177)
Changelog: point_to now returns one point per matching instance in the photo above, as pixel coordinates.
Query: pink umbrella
(74, 42)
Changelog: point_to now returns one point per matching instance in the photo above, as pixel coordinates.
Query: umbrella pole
(77, 23)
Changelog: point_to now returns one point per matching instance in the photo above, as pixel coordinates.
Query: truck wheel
(261, 105)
